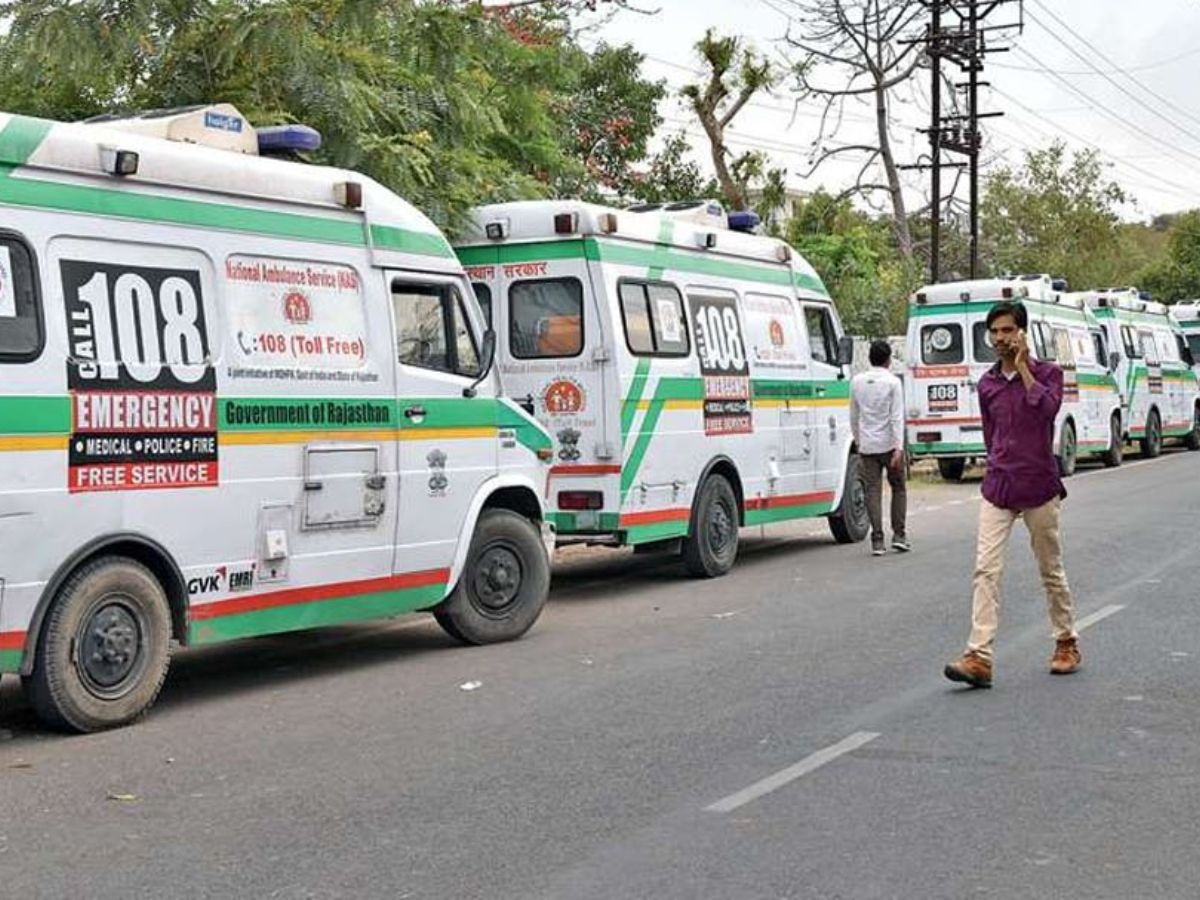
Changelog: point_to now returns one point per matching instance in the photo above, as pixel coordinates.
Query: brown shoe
(1066, 657)
(972, 669)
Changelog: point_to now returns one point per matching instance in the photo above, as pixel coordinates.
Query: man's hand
(897, 460)
(1021, 354)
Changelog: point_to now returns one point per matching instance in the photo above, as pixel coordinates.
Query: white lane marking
(791, 773)
(1099, 615)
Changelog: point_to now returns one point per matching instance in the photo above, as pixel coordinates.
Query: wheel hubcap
(109, 650)
(498, 578)
(720, 528)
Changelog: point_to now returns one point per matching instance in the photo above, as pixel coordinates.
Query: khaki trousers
(995, 528)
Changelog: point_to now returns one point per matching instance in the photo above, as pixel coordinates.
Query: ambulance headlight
(118, 162)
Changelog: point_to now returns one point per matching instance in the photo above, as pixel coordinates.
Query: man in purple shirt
(1019, 398)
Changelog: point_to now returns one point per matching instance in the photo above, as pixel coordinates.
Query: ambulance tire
(504, 584)
(850, 523)
(951, 469)
(104, 648)
(1151, 444)
(711, 547)
(1192, 441)
(1068, 450)
(1116, 444)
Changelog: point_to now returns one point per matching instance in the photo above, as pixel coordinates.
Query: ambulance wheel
(1151, 444)
(711, 546)
(104, 648)
(952, 469)
(1192, 441)
(504, 584)
(850, 522)
(1068, 450)
(1116, 443)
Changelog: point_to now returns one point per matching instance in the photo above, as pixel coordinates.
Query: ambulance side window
(21, 332)
(1101, 350)
(822, 336)
(545, 318)
(982, 339)
(942, 344)
(1167, 348)
(1043, 341)
(432, 329)
(1149, 349)
(1132, 349)
(483, 294)
(654, 319)
(1063, 351)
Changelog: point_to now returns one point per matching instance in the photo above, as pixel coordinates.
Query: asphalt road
(784, 732)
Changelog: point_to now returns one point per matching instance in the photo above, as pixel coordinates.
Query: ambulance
(1160, 397)
(949, 350)
(1187, 314)
(693, 375)
(239, 395)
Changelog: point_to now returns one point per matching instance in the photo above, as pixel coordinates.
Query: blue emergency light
(743, 220)
(278, 139)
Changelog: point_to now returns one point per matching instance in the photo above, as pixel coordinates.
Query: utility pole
(959, 31)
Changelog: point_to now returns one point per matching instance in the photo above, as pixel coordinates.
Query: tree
(1177, 275)
(671, 175)
(611, 116)
(855, 256)
(478, 109)
(1056, 215)
(734, 75)
(860, 48)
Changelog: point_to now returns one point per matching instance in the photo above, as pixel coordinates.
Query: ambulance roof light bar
(286, 140)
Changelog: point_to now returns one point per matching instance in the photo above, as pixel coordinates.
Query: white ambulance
(1159, 393)
(949, 350)
(693, 376)
(238, 395)
(1187, 314)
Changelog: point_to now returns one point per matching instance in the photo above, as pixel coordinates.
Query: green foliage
(856, 257)
(1055, 215)
(1176, 275)
(448, 104)
(672, 175)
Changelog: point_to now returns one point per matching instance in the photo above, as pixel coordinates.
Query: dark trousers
(874, 465)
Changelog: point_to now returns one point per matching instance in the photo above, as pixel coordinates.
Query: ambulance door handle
(313, 486)
(820, 392)
(414, 412)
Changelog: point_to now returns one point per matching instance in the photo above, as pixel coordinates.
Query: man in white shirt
(877, 422)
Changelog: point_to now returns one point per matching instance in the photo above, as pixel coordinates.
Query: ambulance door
(943, 387)
(1064, 353)
(448, 445)
(830, 404)
(558, 342)
(783, 390)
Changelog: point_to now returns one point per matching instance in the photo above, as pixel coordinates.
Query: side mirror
(1114, 360)
(487, 358)
(845, 354)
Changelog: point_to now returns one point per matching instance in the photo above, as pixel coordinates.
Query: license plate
(943, 397)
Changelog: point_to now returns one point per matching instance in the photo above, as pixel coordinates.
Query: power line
(1175, 187)
(1124, 90)
(1102, 108)
(1094, 49)
(1146, 68)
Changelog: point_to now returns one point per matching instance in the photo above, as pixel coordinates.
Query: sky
(1143, 113)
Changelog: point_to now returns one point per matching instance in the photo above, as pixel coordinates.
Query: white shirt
(877, 411)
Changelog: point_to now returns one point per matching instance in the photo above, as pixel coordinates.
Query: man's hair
(1009, 308)
(880, 353)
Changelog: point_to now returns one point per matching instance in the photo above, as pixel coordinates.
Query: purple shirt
(1018, 429)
